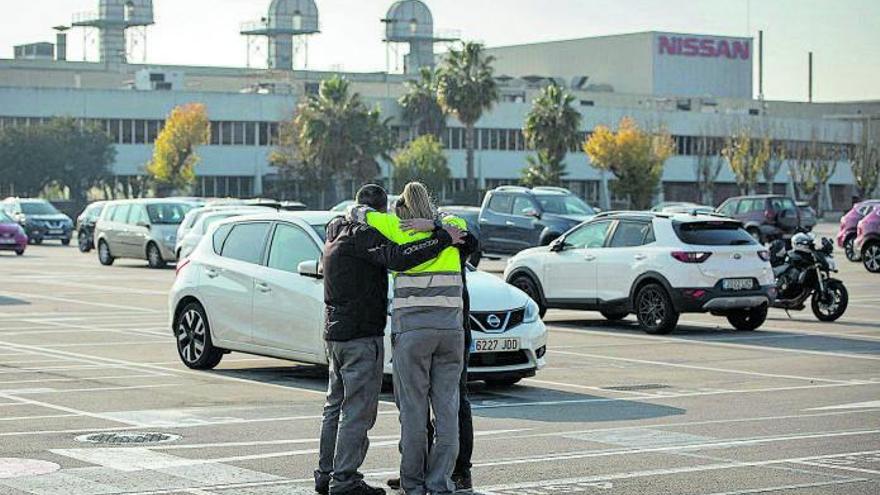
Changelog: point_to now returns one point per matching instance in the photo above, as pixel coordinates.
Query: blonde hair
(417, 202)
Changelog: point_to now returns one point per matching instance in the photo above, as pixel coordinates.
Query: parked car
(659, 207)
(234, 293)
(40, 220)
(765, 217)
(85, 226)
(654, 265)
(188, 243)
(514, 218)
(471, 215)
(343, 205)
(807, 214)
(12, 235)
(846, 233)
(140, 229)
(867, 242)
(193, 215)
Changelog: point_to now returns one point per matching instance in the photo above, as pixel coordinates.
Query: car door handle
(639, 257)
(263, 287)
(509, 223)
(212, 272)
(589, 257)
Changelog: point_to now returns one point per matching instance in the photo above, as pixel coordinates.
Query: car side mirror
(531, 212)
(310, 269)
(145, 225)
(557, 245)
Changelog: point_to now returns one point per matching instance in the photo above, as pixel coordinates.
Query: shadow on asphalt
(307, 376)
(548, 405)
(759, 338)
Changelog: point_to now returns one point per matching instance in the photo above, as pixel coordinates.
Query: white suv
(252, 285)
(654, 265)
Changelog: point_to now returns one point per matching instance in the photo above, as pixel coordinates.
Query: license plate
(56, 231)
(737, 283)
(495, 345)
(7, 241)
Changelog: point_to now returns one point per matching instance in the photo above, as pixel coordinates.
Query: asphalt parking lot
(86, 353)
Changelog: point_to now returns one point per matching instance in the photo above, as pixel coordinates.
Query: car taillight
(180, 264)
(764, 255)
(691, 256)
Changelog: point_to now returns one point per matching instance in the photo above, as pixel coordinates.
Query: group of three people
(430, 341)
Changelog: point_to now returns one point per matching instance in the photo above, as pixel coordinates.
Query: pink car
(867, 241)
(846, 235)
(12, 236)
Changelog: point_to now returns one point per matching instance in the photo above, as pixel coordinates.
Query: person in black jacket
(355, 264)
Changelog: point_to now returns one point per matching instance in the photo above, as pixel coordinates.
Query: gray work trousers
(350, 410)
(427, 369)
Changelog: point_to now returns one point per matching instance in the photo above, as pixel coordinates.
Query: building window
(215, 133)
(113, 130)
(225, 132)
(238, 133)
(250, 133)
(152, 131)
(140, 131)
(455, 132)
(273, 133)
(484, 140)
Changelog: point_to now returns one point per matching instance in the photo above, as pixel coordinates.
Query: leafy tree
(746, 158)
(635, 157)
(551, 128)
(466, 89)
(421, 108)
(422, 160)
(174, 155)
(332, 138)
(813, 165)
(707, 167)
(62, 154)
(865, 166)
(775, 160)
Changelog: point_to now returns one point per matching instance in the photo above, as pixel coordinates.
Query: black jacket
(356, 262)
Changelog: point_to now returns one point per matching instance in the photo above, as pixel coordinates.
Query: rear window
(712, 233)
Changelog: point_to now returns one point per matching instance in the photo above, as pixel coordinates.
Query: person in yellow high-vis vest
(428, 346)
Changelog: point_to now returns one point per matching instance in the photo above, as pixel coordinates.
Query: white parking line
(16, 294)
(703, 368)
(84, 379)
(46, 416)
(844, 468)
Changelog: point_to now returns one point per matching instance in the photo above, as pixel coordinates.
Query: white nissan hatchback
(252, 285)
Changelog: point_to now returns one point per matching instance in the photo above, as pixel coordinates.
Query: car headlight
(531, 314)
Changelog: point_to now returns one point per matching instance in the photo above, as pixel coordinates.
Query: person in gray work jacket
(355, 265)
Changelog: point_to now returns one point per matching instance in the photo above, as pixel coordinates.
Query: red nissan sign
(703, 47)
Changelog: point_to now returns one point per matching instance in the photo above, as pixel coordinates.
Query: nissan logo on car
(494, 321)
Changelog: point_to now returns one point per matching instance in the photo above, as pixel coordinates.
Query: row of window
(249, 133)
(289, 245)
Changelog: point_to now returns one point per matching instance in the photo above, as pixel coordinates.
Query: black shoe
(463, 482)
(361, 488)
(393, 483)
(322, 483)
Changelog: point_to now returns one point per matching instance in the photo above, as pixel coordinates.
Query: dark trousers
(465, 419)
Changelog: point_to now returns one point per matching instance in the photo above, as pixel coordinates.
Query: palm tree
(465, 89)
(334, 137)
(551, 129)
(421, 109)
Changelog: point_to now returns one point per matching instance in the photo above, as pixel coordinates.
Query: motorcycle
(804, 271)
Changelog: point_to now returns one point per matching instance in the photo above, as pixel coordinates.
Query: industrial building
(692, 84)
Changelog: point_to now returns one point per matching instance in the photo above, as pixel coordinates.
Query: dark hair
(374, 196)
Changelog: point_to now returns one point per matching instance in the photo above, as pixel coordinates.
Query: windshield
(564, 205)
(38, 208)
(167, 213)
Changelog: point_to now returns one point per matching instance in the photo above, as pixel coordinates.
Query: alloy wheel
(850, 250)
(191, 335)
(652, 308)
(872, 258)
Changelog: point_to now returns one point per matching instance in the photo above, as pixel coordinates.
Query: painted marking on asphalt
(843, 468)
(139, 309)
(854, 405)
(642, 437)
(702, 368)
(11, 467)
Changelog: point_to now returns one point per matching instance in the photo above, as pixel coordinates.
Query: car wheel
(65, 241)
(506, 383)
(871, 257)
(194, 345)
(613, 315)
(104, 255)
(19, 252)
(83, 242)
(756, 234)
(530, 287)
(154, 256)
(833, 304)
(748, 319)
(654, 310)
(849, 248)
(38, 240)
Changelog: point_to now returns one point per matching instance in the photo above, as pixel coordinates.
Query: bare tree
(707, 166)
(864, 161)
(775, 159)
(813, 165)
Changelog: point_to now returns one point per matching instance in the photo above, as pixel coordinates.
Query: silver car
(143, 229)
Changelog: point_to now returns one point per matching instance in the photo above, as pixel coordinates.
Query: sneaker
(361, 488)
(393, 483)
(463, 483)
(322, 483)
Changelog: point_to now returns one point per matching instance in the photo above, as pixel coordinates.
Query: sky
(844, 35)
